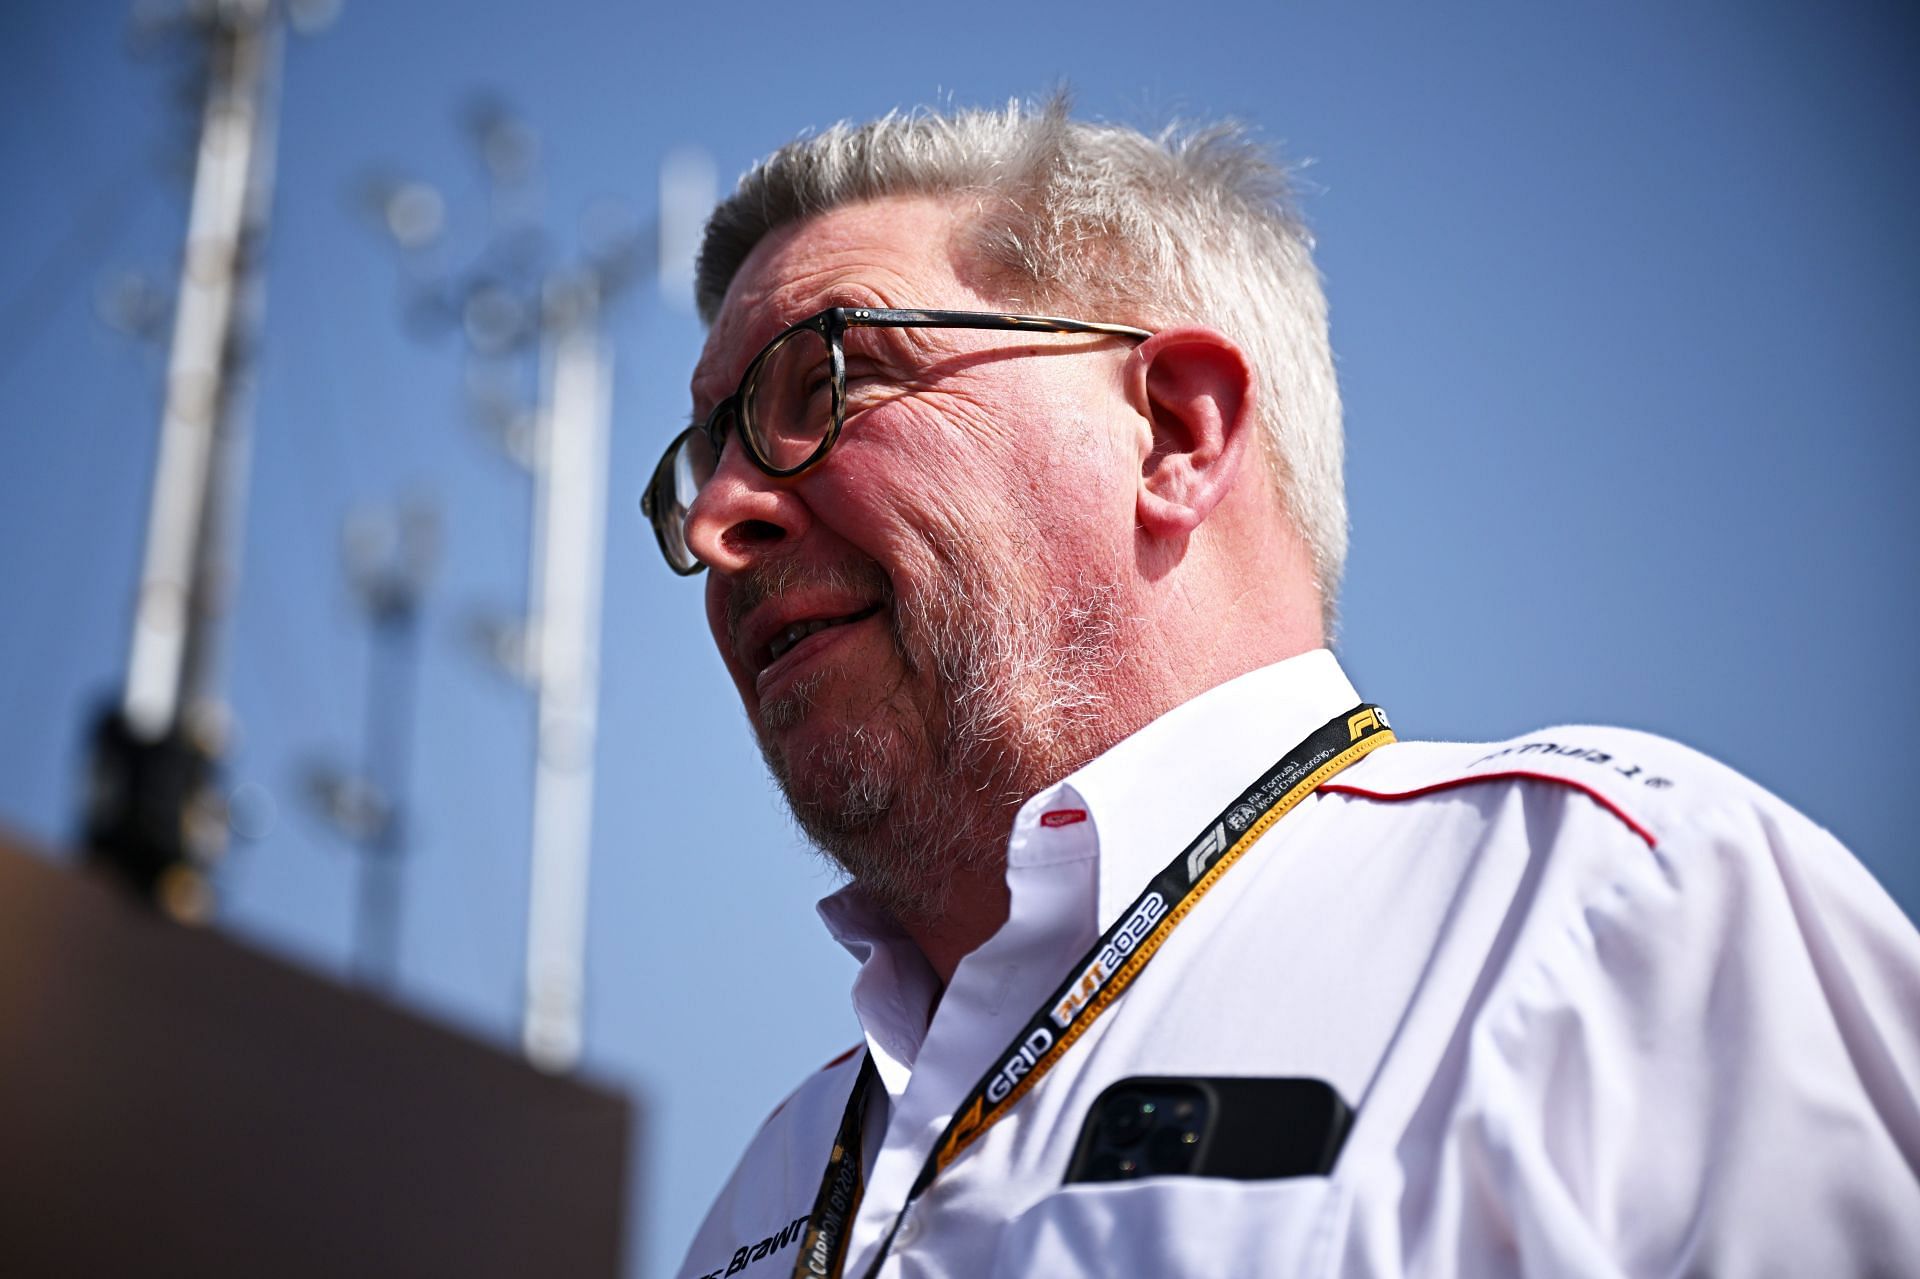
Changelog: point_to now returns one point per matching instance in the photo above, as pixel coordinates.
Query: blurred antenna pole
(510, 300)
(570, 498)
(390, 554)
(570, 479)
(154, 815)
(687, 187)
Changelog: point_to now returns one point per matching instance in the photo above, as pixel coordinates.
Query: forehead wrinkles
(883, 254)
(748, 323)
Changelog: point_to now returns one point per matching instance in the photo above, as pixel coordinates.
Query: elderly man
(1015, 475)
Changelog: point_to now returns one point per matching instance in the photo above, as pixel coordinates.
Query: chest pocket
(1180, 1228)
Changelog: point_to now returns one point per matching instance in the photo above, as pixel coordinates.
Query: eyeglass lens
(687, 472)
(788, 403)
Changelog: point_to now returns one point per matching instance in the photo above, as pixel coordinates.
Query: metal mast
(390, 552)
(154, 815)
(570, 500)
(570, 479)
(509, 302)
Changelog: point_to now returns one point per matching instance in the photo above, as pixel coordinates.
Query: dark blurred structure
(172, 1103)
(154, 814)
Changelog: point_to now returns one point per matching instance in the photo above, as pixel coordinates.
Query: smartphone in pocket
(1240, 1128)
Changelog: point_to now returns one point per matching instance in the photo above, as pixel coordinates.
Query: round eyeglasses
(792, 402)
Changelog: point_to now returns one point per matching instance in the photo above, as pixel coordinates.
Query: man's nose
(743, 514)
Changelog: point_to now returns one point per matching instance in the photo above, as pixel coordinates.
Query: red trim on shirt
(829, 1066)
(1347, 788)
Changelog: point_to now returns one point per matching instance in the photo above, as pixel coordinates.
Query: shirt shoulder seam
(1512, 774)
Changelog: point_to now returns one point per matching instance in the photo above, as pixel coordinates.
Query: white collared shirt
(1601, 1005)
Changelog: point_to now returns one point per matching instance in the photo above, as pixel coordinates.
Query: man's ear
(1197, 392)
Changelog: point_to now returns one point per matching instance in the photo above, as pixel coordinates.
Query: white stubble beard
(903, 802)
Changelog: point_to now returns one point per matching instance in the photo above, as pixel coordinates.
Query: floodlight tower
(389, 552)
(153, 811)
(509, 303)
(563, 656)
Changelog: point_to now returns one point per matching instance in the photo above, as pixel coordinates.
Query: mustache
(760, 582)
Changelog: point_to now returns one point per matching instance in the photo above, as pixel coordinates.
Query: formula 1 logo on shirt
(1585, 754)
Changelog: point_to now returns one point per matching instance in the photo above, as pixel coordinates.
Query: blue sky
(1627, 308)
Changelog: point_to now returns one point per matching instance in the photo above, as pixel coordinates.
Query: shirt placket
(1052, 856)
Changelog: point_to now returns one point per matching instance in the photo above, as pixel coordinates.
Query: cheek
(1027, 473)
(1052, 479)
(716, 601)
(899, 477)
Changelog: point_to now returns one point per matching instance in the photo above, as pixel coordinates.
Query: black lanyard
(1090, 988)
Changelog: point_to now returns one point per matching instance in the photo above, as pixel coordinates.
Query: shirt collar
(1135, 806)
(1150, 795)
(1081, 851)
(893, 993)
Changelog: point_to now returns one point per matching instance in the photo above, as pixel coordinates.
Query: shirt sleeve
(1698, 1060)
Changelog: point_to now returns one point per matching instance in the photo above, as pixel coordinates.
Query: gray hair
(1191, 226)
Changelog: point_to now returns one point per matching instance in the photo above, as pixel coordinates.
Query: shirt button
(909, 1231)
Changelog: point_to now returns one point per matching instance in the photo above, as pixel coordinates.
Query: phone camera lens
(1109, 1166)
(1172, 1149)
(1130, 1118)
